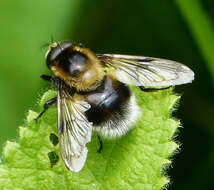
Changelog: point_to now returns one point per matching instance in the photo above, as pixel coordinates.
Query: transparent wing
(147, 71)
(74, 130)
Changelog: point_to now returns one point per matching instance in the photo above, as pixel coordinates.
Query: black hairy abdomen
(107, 101)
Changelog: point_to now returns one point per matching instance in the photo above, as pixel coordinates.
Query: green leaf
(135, 161)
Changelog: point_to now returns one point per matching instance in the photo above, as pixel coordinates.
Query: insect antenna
(52, 39)
(45, 45)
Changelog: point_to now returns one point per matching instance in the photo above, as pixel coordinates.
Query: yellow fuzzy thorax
(86, 81)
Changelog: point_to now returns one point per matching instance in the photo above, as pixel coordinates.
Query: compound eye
(65, 44)
(55, 51)
(74, 63)
(52, 55)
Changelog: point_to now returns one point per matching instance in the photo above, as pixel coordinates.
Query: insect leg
(46, 77)
(153, 89)
(101, 144)
(54, 80)
(46, 106)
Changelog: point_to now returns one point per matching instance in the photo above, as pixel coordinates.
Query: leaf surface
(135, 161)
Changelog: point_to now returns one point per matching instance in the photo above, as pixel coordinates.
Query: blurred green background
(180, 30)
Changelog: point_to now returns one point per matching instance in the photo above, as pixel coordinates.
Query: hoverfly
(93, 93)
